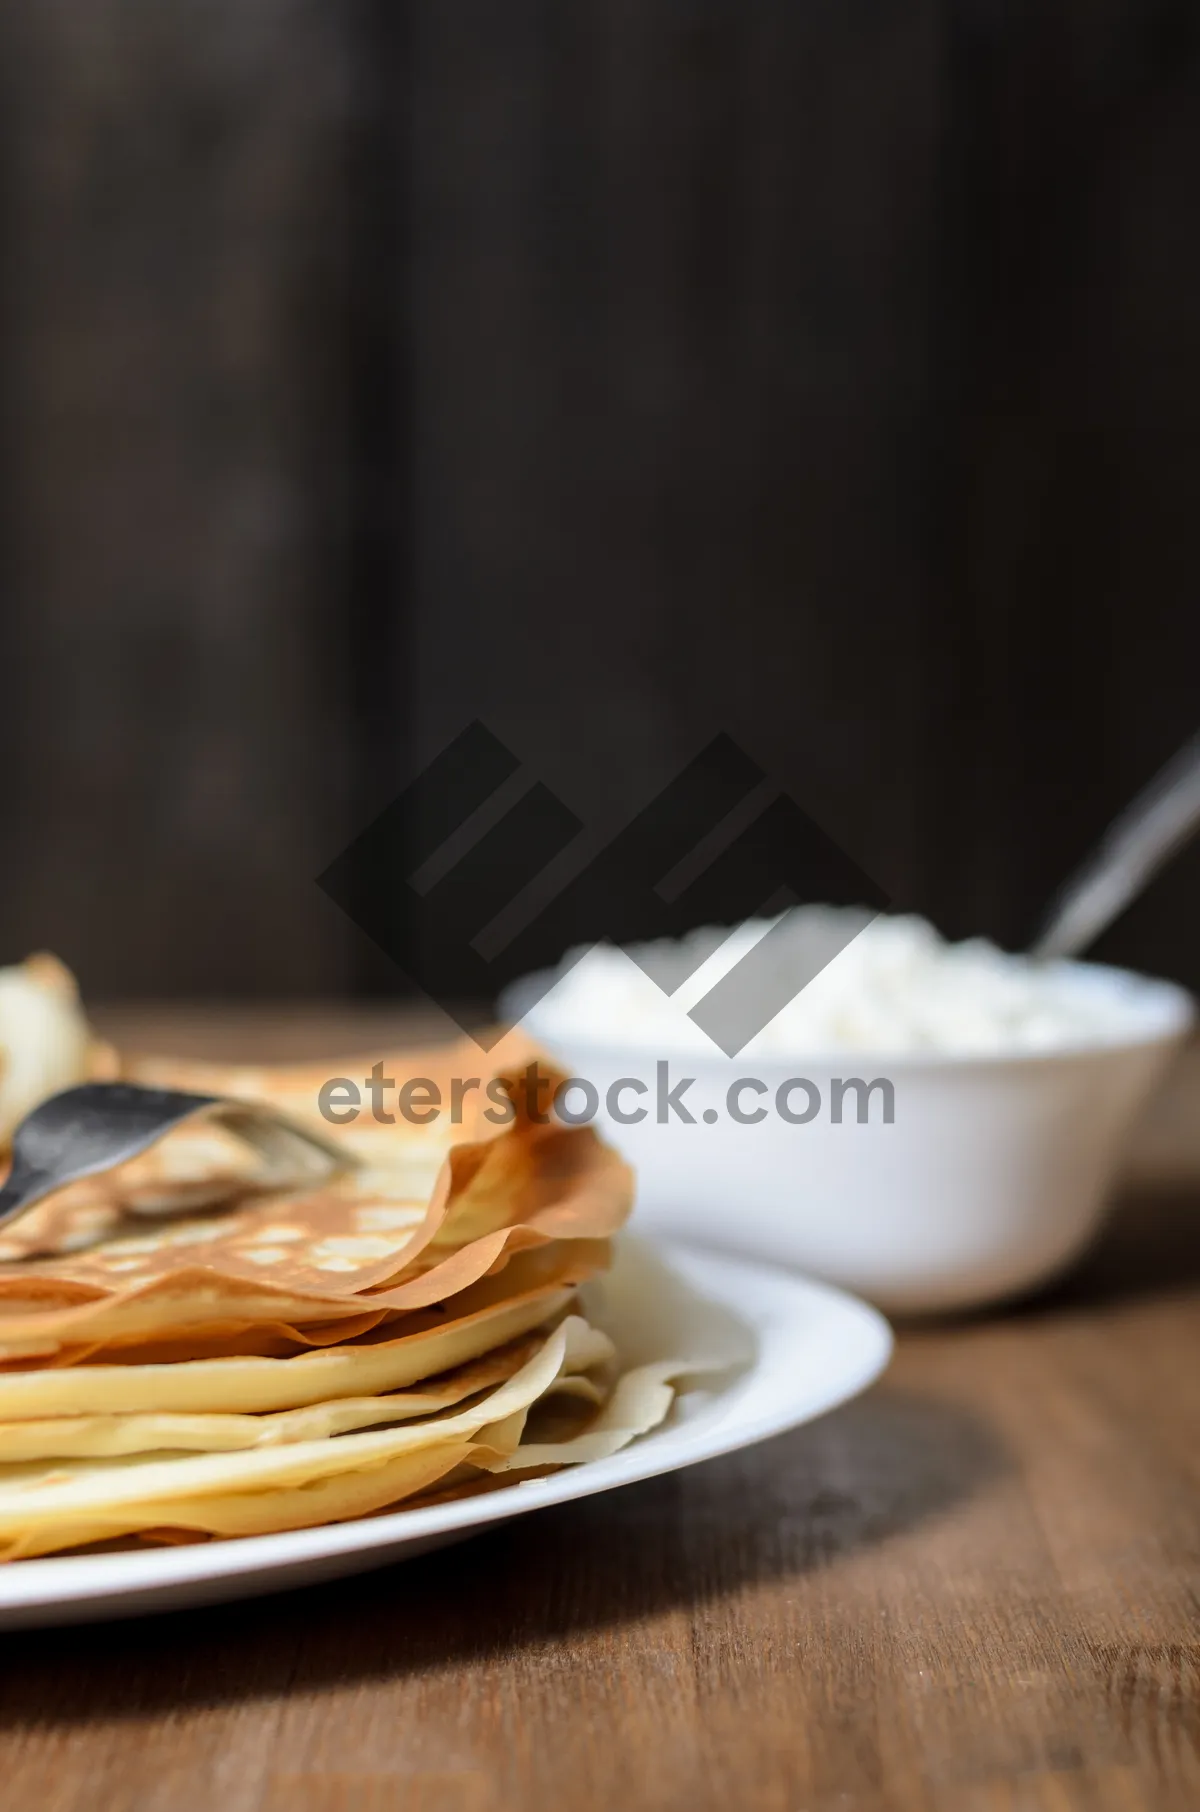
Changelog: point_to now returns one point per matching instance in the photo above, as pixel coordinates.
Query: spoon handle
(1163, 817)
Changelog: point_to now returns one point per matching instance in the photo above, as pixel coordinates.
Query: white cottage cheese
(895, 987)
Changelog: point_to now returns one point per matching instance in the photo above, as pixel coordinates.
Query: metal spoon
(1164, 816)
(98, 1125)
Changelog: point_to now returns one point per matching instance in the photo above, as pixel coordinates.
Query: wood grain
(974, 1590)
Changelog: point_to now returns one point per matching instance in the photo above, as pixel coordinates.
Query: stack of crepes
(191, 1348)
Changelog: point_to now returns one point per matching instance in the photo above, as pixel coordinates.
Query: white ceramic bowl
(991, 1177)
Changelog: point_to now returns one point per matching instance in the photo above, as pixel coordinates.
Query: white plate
(796, 1350)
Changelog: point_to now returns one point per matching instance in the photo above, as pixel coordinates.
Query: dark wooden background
(825, 371)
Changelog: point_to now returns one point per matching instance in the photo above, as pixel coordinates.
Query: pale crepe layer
(463, 1467)
(327, 1500)
(640, 1401)
(108, 1436)
(331, 1480)
(114, 1436)
(141, 1491)
(258, 1385)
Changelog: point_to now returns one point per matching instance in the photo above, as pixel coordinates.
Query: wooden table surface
(973, 1590)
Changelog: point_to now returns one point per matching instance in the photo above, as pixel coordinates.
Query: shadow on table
(1150, 1246)
(870, 1471)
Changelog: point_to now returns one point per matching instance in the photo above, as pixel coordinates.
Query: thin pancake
(122, 1496)
(477, 1458)
(306, 1506)
(244, 1270)
(109, 1436)
(193, 1165)
(401, 1173)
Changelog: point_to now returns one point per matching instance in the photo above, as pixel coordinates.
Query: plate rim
(56, 1582)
